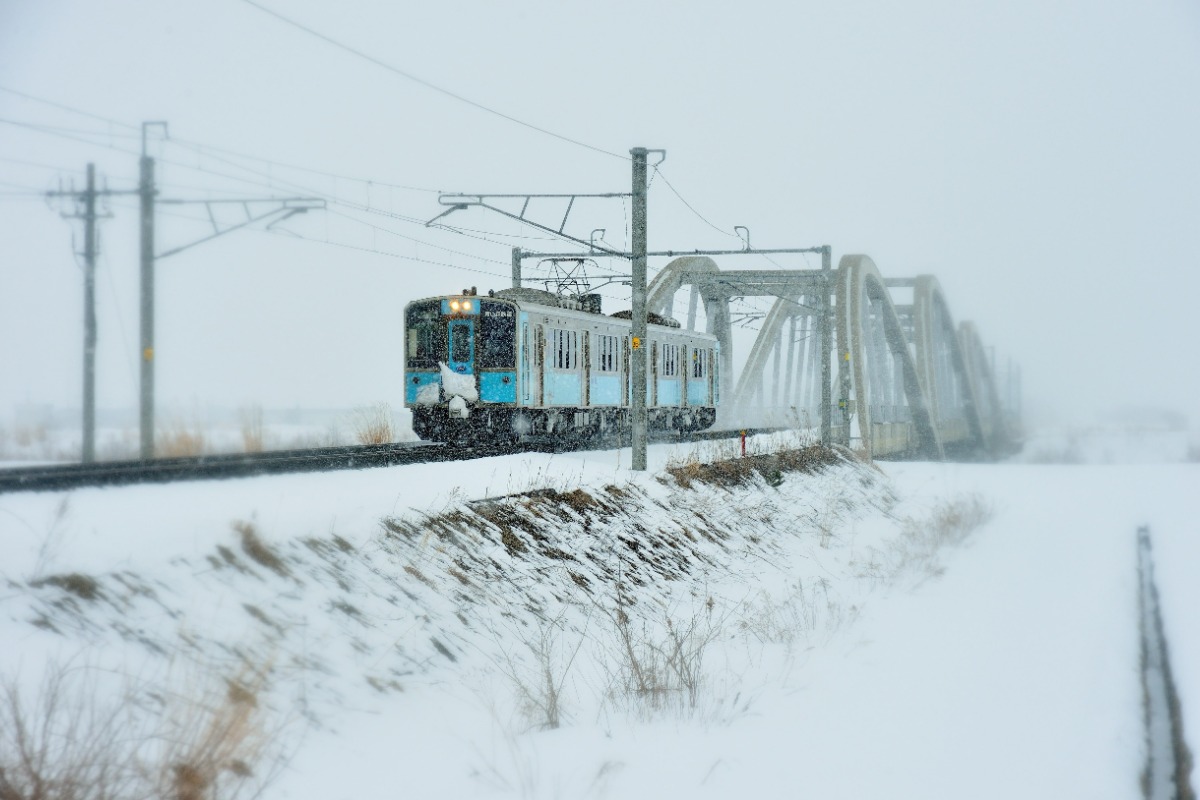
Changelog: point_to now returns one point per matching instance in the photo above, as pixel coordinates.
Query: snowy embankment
(832, 630)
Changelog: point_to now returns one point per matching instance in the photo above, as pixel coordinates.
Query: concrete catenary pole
(639, 343)
(516, 268)
(146, 194)
(89, 318)
(826, 348)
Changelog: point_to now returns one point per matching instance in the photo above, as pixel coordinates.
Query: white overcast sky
(1039, 157)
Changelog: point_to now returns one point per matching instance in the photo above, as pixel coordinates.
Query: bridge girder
(910, 383)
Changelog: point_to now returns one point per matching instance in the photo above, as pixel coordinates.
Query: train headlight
(466, 305)
(454, 305)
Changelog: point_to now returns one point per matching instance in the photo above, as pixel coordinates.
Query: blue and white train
(527, 364)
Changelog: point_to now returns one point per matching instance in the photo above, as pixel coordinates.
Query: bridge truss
(878, 364)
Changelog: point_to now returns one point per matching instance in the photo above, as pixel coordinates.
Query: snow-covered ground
(916, 630)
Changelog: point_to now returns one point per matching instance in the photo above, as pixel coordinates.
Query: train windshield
(425, 331)
(497, 336)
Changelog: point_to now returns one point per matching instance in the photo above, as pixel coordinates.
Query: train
(524, 364)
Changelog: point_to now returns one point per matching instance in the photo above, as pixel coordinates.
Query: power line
(691, 207)
(210, 150)
(415, 240)
(276, 183)
(27, 191)
(402, 257)
(50, 131)
(68, 108)
(39, 165)
(409, 76)
(271, 181)
(706, 221)
(82, 131)
(194, 145)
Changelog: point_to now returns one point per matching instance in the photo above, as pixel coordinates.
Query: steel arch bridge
(877, 363)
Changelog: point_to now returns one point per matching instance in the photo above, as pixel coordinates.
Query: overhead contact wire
(414, 78)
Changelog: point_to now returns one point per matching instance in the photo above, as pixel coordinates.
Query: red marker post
(743, 444)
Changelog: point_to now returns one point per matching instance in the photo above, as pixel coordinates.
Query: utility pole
(90, 250)
(638, 342)
(516, 268)
(826, 346)
(146, 193)
(89, 318)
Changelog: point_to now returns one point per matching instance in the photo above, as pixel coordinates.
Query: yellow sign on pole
(635, 342)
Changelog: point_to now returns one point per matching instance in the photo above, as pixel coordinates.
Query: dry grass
(540, 688)
(662, 670)
(916, 551)
(180, 441)
(253, 433)
(258, 550)
(771, 468)
(213, 742)
(83, 736)
(373, 425)
(29, 435)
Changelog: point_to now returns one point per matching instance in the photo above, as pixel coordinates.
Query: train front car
(460, 367)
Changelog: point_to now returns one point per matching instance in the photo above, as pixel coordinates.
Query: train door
(526, 373)
(684, 370)
(462, 346)
(586, 371)
(626, 390)
(539, 364)
(652, 400)
(714, 377)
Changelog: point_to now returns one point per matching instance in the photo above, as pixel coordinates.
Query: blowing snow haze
(1039, 159)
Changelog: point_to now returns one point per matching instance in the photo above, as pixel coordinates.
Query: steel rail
(54, 477)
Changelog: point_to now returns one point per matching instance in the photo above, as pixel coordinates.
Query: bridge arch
(994, 432)
(876, 368)
(942, 368)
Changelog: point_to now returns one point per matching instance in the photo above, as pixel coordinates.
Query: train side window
(564, 346)
(699, 362)
(606, 353)
(670, 360)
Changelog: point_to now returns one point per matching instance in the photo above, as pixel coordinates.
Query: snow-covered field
(916, 630)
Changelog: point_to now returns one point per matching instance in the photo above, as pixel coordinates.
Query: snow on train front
(460, 365)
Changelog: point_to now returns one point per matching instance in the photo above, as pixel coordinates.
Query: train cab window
(460, 342)
(606, 353)
(426, 342)
(670, 360)
(497, 335)
(699, 362)
(564, 349)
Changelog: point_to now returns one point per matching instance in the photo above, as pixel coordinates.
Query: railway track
(53, 477)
